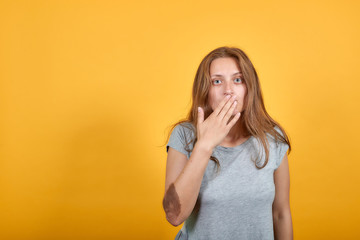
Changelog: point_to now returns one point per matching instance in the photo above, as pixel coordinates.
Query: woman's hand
(214, 129)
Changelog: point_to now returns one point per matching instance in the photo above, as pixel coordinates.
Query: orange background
(88, 89)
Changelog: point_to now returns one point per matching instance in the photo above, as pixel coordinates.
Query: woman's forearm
(283, 229)
(181, 196)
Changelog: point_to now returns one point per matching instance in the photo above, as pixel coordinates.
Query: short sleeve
(281, 150)
(178, 139)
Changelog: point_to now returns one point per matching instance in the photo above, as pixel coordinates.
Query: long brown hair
(254, 119)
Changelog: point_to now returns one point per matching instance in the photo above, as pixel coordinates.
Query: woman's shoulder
(186, 127)
(184, 130)
(277, 129)
(276, 141)
(187, 124)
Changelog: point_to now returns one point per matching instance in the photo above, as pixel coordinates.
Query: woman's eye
(216, 81)
(238, 80)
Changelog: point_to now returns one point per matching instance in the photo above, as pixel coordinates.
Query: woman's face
(226, 79)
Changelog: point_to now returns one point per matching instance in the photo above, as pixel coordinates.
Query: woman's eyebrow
(219, 75)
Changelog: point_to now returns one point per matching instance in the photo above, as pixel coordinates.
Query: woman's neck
(236, 134)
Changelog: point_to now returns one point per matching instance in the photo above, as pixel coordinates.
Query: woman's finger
(229, 113)
(200, 115)
(221, 105)
(233, 121)
(226, 108)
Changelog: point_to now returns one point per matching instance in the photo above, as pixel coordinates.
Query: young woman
(227, 173)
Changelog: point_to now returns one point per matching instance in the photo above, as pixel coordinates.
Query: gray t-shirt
(237, 202)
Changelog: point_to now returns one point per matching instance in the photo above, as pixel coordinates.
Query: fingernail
(228, 96)
(198, 109)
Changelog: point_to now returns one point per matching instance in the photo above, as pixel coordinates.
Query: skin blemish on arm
(171, 204)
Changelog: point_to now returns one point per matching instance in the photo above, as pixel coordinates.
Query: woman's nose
(228, 89)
